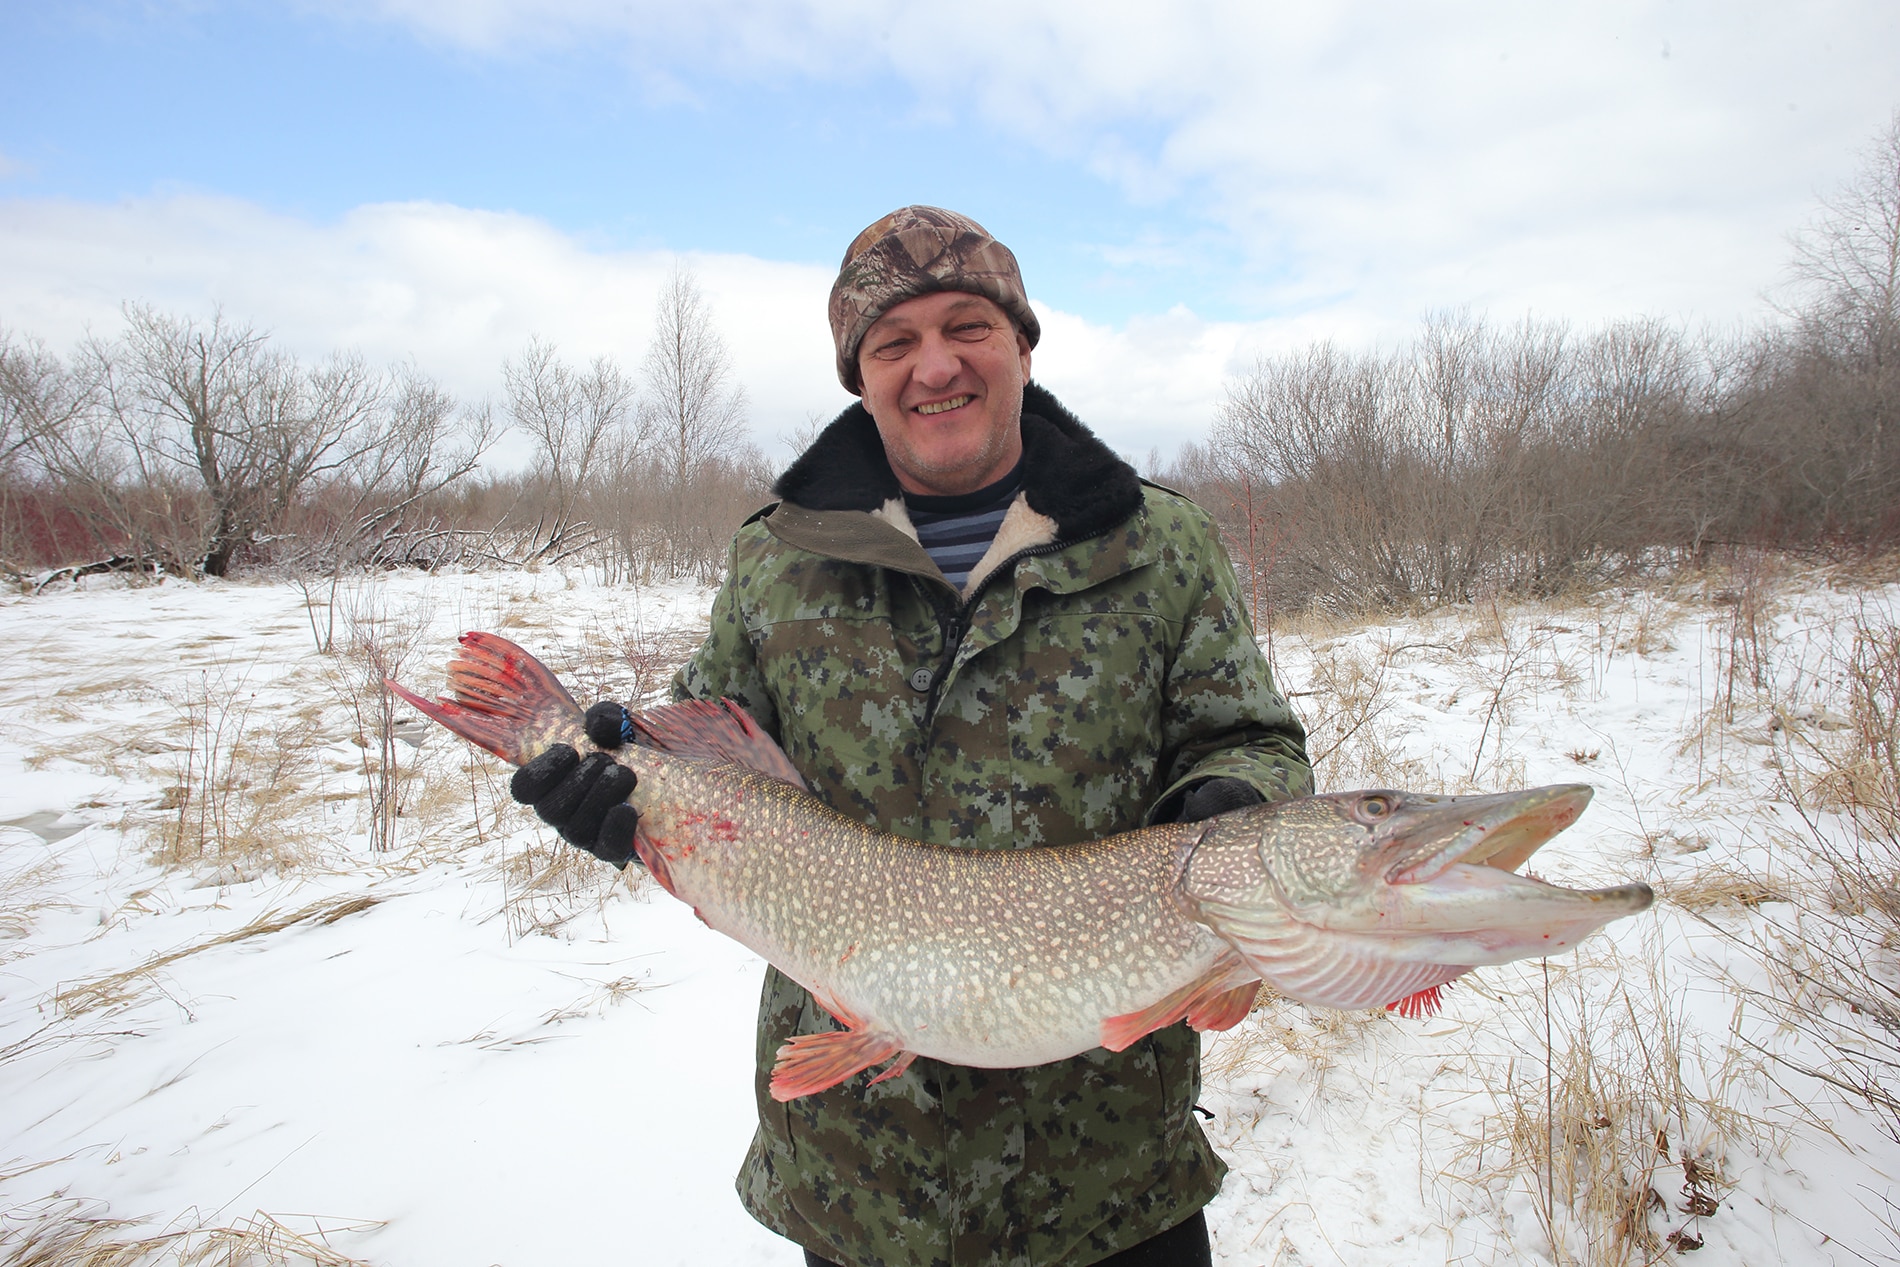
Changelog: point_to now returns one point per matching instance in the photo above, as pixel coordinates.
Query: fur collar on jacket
(1068, 475)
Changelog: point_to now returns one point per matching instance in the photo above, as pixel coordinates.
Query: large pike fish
(1004, 958)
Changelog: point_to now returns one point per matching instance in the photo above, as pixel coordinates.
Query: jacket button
(920, 680)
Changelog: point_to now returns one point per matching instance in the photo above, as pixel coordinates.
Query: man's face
(943, 375)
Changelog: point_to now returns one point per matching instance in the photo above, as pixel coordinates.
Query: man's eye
(891, 351)
(972, 331)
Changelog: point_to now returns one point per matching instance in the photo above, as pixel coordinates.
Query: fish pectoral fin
(1217, 999)
(816, 1062)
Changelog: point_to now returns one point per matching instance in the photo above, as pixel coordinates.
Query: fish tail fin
(1421, 1003)
(504, 700)
(709, 731)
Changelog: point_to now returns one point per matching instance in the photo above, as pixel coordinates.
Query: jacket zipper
(959, 622)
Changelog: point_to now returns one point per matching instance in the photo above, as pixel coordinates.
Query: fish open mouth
(1500, 831)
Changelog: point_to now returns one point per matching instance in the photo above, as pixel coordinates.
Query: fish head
(1403, 876)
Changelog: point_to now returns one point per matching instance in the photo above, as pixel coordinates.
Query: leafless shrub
(187, 445)
(1475, 459)
(386, 508)
(377, 645)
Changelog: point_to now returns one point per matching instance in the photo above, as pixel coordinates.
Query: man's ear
(1022, 348)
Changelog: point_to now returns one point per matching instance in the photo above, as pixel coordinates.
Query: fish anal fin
(817, 1062)
(1217, 999)
(504, 700)
(715, 731)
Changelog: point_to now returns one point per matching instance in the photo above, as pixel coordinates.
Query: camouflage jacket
(1098, 664)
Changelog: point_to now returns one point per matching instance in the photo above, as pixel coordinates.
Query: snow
(473, 1048)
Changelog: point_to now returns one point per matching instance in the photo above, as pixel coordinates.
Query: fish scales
(1005, 958)
(989, 958)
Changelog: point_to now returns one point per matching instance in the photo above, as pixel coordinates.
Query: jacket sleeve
(726, 666)
(1221, 715)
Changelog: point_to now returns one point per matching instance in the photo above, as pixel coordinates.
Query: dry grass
(1345, 706)
(1720, 888)
(1615, 1117)
(1278, 1031)
(239, 773)
(548, 883)
(1832, 956)
(23, 892)
(119, 989)
(63, 1232)
(1509, 663)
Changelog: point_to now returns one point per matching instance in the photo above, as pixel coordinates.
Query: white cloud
(457, 291)
(1615, 156)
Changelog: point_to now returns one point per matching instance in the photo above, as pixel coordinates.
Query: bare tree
(427, 445)
(576, 418)
(1849, 258)
(38, 397)
(184, 399)
(182, 443)
(691, 409)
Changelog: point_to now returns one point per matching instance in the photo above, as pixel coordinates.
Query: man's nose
(937, 360)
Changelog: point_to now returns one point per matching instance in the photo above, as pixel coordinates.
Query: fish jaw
(1383, 861)
(1426, 834)
(1475, 915)
(1359, 899)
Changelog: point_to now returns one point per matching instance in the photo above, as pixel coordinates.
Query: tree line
(1533, 457)
(1476, 459)
(194, 447)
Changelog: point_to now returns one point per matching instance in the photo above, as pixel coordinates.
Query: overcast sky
(1187, 185)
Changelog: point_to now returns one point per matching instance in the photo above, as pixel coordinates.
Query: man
(967, 621)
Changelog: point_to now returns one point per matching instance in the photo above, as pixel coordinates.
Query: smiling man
(967, 621)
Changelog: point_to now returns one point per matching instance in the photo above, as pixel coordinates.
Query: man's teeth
(955, 402)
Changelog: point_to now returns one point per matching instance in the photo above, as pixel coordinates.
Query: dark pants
(1183, 1245)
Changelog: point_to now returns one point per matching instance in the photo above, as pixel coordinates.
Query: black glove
(585, 799)
(1217, 796)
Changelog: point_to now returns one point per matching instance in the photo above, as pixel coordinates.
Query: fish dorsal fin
(721, 731)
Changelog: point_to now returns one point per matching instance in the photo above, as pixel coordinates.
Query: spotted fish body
(1008, 958)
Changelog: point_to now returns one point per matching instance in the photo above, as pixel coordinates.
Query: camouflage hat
(914, 251)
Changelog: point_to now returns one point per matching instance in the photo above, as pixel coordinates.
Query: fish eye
(1374, 806)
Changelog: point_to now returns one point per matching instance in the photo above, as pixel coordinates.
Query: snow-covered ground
(217, 999)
